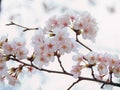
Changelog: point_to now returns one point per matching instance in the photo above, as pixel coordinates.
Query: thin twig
(74, 83)
(102, 85)
(92, 72)
(25, 28)
(58, 57)
(110, 76)
(82, 43)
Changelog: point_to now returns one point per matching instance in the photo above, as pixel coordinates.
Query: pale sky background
(32, 13)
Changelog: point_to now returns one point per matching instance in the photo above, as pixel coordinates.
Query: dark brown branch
(25, 28)
(92, 72)
(58, 57)
(82, 43)
(74, 84)
(110, 73)
(66, 73)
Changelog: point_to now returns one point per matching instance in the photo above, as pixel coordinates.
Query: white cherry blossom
(91, 57)
(38, 38)
(102, 69)
(12, 80)
(21, 53)
(63, 21)
(9, 48)
(40, 61)
(116, 71)
(3, 67)
(76, 70)
(78, 57)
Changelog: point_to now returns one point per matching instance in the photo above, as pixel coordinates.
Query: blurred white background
(33, 13)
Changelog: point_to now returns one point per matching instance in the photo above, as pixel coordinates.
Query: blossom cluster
(105, 63)
(15, 48)
(54, 37)
(81, 22)
(55, 40)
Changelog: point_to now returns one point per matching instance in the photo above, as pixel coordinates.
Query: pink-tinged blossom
(61, 33)
(113, 60)
(102, 69)
(21, 53)
(50, 45)
(9, 48)
(76, 70)
(3, 67)
(65, 47)
(38, 38)
(72, 15)
(78, 57)
(90, 26)
(19, 42)
(104, 58)
(74, 45)
(87, 25)
(12, 80)
(63, 21)
(49, 56)
(116, 71)
(99, 77)
(78, 24)
(39, 49)
(89, 32)
(40, 61)
(91, 57)
(51, 23)
(57, 22)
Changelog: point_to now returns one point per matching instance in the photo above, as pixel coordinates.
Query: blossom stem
(58, 57)
(74, 83)
(92, 72)
(82, 43)
(25, 28)
(110, 76)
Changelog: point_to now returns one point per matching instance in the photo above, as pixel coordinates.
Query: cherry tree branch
(63, 70)
(58, 57)
(77, 40)
(25, 28)
(92, 72)
(74, 83)
(66, 73)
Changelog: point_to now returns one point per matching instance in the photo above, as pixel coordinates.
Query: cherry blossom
(22, 53)
(9, 48)
(78, 57)
(116, 71)
(38, 38)
(19, 42)
(91, 57)
(102, 69)
(50, 45)
(51, 23)
(12, 80)
(72, 15)
(76, 70)
(63, 21)
(3, 67)
(40, 61)
(87, 25)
